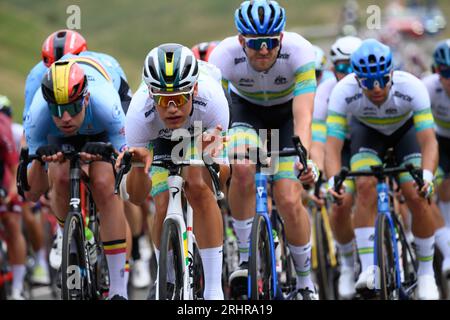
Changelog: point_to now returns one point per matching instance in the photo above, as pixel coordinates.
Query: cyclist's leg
(35, 228)
(241, 192)
(442, 234)
(423, 223)
(287, 192)
(367, 146)
(112, 220)
(16, 250)
(208, 229)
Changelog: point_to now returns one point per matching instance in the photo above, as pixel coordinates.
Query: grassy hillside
(129, 29)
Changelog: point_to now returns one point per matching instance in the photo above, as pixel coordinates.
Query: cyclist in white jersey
(271, 76)
(389, 109)
(438, 85)
(340, 218)
(178, 94)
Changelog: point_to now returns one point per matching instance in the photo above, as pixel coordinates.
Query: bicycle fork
(175, 212)
(384, 209)
(261, 209)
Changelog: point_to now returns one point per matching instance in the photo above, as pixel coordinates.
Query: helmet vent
(169, 57)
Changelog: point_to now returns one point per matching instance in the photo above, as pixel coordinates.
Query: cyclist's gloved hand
(98, 150)
(337, 196)
(427, 190)
(50, 153)
(309, 176)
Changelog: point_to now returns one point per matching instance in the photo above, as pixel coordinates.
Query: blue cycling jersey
(103, 113)
(36, 74)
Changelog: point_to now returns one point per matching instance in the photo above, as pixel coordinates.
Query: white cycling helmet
(343, 48)
(320, 59)
(170, 67)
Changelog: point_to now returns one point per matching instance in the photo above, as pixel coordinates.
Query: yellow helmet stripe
(60, 77)
(169, 67)
(91, 62)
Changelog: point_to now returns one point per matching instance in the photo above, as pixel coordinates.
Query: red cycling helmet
(203, 50)
(60, 43)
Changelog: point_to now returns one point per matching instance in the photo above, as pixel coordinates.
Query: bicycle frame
(262, 210)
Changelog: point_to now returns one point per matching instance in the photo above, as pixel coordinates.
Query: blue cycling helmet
(372, 60)
(441, 55)
(260, 17)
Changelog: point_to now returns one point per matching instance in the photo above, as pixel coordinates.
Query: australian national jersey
(407, 98)
(292, 74)
(440, 104)
(210, 108)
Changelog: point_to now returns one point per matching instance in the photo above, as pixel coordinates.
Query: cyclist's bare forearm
(138, 185)
(333, 149)
(429, 148)
(38, 181)
(318, 154)
(302, 109)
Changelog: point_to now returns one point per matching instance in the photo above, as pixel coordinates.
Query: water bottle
(90, 242)
(276, 243)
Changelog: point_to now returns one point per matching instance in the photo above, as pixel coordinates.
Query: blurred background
(127, 30)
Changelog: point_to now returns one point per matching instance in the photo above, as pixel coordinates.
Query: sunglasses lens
(72, 108)
(343, 68)
(177, 100)
(370, 83)
(259, 43)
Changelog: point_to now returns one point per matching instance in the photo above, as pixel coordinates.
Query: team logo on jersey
(116, 111)
(149, 112)
(245, 82)
(90, 78)
(284, 56)
(200, 103)
(280, 80)
(239, 60)
(122, 131)
(353, 98)
(402, 96)
(391, 111)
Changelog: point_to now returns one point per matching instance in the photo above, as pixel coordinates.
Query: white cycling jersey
(17, 130)
(210, 107)
(407, 98)
(440, 104)
(321, 101)
(292, 74)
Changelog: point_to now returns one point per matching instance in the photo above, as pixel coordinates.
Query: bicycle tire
(170, 239)
(385, 257)
(73, 229)
(325, 276)
(260, 261)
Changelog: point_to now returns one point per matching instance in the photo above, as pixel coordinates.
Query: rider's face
(175, 117)
(69, 125)
(445, 84)
(378, 95)
(262, 59)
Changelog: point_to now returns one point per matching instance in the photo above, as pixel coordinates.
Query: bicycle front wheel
(260, 261)
(74, 284)
(325, 274)
(385, 257)
(170, 240)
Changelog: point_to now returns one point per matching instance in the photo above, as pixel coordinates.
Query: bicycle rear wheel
(260, 261)
(74, 284)
(385, 257)
(325, 272)
(170, 240)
